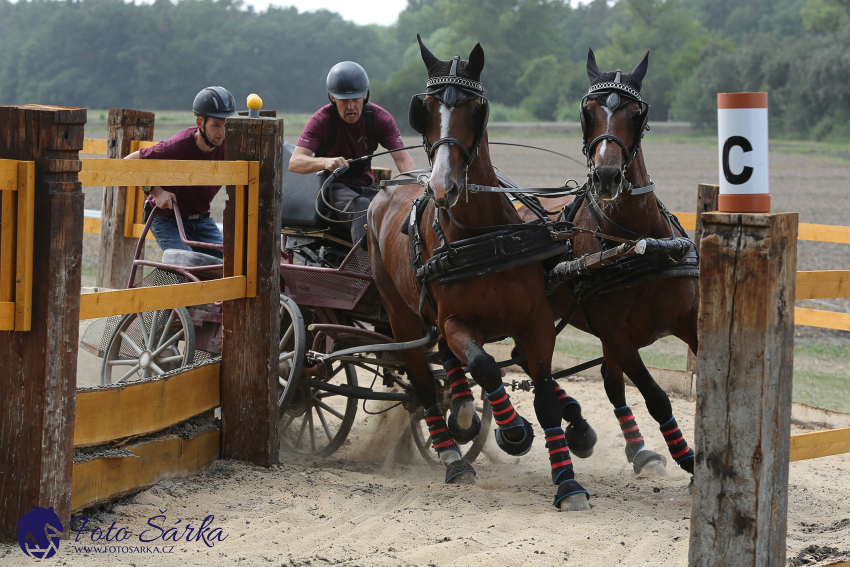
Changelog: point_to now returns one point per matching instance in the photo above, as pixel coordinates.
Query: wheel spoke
(122, 362)
(155, 368)
(152, 332)
(167, 326)
(168, 343)
(321, 415)
(133, 370)
(312, 431)
(140, 317)
(329, 409)
(285, 426)
(132, 343)
(287, 335)
(284, 356)
(301, 431)
(168, 359)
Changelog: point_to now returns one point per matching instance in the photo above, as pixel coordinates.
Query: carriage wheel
(293, 346)
(316, 422)
(422, 439)
(148, 344)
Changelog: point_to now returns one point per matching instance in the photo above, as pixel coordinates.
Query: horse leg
(464, 424)
(514, 435)
(407, 326)
(659, 408)
(644, 461)
(580, 435)
(570, 495)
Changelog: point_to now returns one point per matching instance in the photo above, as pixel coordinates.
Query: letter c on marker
(747, 172)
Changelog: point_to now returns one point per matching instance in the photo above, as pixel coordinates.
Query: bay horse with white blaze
(632, 305)
(452, 117)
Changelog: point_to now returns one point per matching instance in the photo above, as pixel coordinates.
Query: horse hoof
(519, 447)
(691, 487)
(572, 497)
(648, 463)
(464, 436)
(581, 444)
(460, 472)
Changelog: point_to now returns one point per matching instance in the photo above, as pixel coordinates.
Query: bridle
(451, 91)
(614, 95)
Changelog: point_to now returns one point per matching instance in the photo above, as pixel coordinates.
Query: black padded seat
(189, 258)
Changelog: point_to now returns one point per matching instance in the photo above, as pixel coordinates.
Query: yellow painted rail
(820, 444)
(141, 408)
(136, 172)
(823, 284)
(94, 147)
(140, 299)
(822, 319)
(105, 478)
(17, 221)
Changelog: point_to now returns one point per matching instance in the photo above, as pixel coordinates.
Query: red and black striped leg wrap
(456, 378)
(515, 435)
(677, 445)
(562, 466)
(631, 432)
(503, 410)
(441, 439)
(580, 436)
(559, 456)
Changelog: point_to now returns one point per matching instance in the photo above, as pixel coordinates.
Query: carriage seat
(189, 258)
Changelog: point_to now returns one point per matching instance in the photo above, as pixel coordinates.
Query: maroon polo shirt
(192, 199)
(352, 140)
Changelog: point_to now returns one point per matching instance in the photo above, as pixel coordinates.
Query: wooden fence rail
(17, 205)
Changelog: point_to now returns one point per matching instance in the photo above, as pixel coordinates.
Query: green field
(821, 371)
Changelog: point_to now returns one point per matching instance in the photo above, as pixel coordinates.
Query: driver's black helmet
(215, 102)
(347, 80)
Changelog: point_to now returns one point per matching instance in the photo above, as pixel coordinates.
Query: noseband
(614, 95)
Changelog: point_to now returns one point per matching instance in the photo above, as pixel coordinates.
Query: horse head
(451, 115)
(613, 119)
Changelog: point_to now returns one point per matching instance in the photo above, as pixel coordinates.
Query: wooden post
(706, 203)
(115, 258)
(249, 358)
(743, 421)
(38, 368)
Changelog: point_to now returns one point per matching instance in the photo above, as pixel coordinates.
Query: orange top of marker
(741, 100)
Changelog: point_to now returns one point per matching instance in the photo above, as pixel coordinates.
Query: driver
(203, 142)
(348, 128)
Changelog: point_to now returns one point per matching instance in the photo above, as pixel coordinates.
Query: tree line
(108, 53)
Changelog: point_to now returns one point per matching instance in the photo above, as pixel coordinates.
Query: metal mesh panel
(300, 282)
(359, 263)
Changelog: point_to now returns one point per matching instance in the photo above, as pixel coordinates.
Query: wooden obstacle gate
(44, 418)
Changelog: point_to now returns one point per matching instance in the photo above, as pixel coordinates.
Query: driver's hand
(163, 199)
(332, 164)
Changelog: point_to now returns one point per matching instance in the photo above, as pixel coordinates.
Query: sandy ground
(370, 506)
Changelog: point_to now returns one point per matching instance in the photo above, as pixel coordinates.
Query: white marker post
(743, 151)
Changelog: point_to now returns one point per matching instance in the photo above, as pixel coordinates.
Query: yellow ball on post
(255, 103)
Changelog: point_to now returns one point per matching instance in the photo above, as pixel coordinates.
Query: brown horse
(621, 202)
(452, 118)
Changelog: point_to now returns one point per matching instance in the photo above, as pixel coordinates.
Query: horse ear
(639, 72)
(429, 58)
(593, 71)
(476, 60)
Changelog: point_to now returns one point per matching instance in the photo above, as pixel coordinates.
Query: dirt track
(364, 507)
